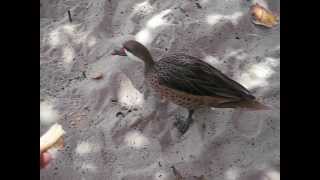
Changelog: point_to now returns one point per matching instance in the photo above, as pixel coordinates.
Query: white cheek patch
(133, 57)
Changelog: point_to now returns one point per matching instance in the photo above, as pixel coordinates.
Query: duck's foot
(184, 125)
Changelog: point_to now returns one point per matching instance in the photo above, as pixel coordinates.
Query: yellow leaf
(262, 16)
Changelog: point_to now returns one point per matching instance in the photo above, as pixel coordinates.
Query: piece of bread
(52, 138)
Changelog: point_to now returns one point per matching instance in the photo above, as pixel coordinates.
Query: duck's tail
(250, 105)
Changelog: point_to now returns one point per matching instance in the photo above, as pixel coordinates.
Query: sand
(117, 131)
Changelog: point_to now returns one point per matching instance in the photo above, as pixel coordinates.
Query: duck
(189, 82)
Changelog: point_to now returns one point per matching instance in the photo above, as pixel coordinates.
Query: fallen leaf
(97, 76)
(262, 16)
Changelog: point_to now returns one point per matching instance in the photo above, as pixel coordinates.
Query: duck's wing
(194, 76)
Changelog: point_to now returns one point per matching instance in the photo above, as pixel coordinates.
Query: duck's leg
(145, 91)
(183, 125)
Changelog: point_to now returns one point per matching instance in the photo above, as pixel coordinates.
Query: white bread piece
(51, 137)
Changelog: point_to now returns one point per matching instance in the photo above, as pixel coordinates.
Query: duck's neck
(148, 63)
(147, 59)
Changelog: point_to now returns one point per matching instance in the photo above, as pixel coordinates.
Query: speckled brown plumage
(181, 98)
(192, 83)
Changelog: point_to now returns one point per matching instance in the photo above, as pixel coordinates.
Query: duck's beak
(120, 52)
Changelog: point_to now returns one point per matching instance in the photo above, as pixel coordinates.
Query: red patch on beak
(120, 52)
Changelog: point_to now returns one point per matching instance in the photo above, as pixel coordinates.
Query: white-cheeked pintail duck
(190, 82)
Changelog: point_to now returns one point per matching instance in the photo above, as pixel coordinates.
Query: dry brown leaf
(262, 16)
(97, 76)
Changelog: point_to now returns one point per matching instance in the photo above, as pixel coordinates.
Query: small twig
(69, 15)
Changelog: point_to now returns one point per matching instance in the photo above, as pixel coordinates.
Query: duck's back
(192, 75)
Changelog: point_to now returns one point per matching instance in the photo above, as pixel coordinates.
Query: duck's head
(135, 51)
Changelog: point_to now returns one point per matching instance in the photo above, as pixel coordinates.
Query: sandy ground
(115, 131)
